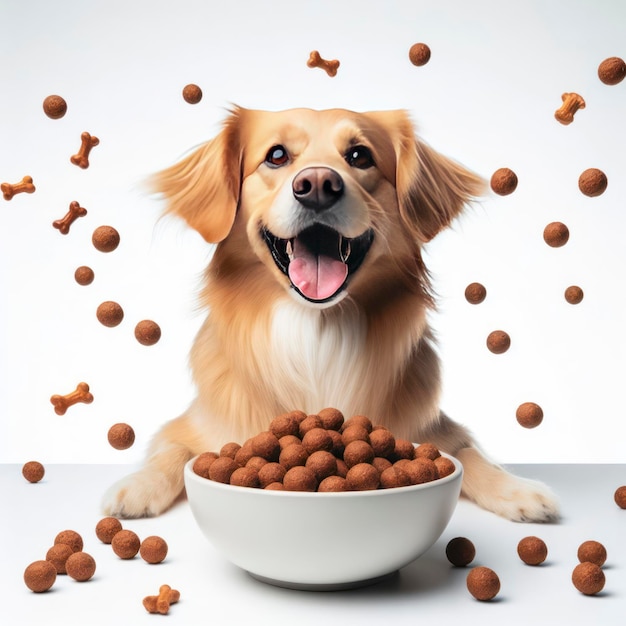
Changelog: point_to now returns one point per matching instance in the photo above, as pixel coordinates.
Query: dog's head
(319, 196)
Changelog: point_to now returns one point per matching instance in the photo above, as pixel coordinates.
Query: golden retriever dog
(317, 292)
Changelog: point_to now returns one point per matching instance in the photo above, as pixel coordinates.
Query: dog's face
(320, 196)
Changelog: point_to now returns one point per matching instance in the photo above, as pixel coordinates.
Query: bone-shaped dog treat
(330, 67)
(81, 158)
(161, 603)
(80, 394)
(24, 186)
(571, 103)
(75, 211)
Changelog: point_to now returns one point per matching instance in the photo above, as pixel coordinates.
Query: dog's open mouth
(319, 260)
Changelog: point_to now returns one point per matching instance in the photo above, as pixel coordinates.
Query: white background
(486, 98)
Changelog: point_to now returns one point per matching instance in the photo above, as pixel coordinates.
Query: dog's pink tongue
(316, 276)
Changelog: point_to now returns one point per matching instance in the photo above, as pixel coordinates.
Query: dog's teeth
(344, 250)
(289, 249)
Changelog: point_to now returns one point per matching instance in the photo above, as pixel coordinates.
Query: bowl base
(324, 586)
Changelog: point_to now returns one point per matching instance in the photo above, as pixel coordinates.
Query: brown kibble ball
(230, 449)
(404, 450)
(288, 440)
(588, 578)
(332, 419)
(271, 473)
(357, 452)
(256, 462)
(444, 466)
(80, 566)
(121, 436)
(300, 478)
(40, 576)
(70, 538)
(275, 487)
(58, 555)
(342, 468)
(483, 583)
(503, 181)
(574, 294)
(84, 275)
(192, 93)
(283, 425)
(266, 445)
(222, 468)
(126, 544)
(323, 464)
(620, 497)
(147, 332)
(393, 477)
(355, 432)
(107, 528)
(460, 551)
(203, 463)
(309, 423)
(381, 463)
(362, 477)
(54, 107)
(245, 453)
(317, 439)
(105, 238)
(556, 234)
(532, 550)
(338, 445)
(593, 182)
(419, 54)
(592, 552)
(422, 470)
(293, 456)
(359, 420)
(245, 477)
(529, 414)
(332, 484)
(383, 442)
(427, 451)
(475, 293)
(110, 314)
(612, 71)
(498, 342)
(153, 549)
(33, 471)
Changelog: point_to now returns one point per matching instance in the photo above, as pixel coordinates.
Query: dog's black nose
(317, 188)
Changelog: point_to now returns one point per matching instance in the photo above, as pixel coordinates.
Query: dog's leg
(155, 487)
(495, 489)
(489, 485)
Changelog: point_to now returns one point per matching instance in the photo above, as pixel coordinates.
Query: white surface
(427, 591)
(384, 519)
(486, 97)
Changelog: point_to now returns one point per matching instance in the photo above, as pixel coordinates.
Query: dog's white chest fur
(320, 359)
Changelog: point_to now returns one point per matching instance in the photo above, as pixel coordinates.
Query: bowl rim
(365, 493)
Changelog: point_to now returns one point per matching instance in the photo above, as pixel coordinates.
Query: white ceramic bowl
(317, 540)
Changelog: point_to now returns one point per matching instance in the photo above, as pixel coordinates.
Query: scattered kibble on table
(153, 549)
(588, 578)
(58, 555)
(532, 550)
(483, 583)
(70, 538)
(125, 544)
(460, 551)
(80, 566)
(592, 552)
(620, 497)
(107, 528)
(33, 471)
(39, 576)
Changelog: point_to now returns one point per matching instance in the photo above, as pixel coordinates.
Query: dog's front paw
(523, 500)
(143, 494)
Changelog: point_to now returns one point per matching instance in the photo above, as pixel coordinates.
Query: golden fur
(264, 349)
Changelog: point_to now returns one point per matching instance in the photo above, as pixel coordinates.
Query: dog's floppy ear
(432, 189)
(203, 188)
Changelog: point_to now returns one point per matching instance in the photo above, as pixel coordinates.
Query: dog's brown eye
(276, 156)
(360, 157)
